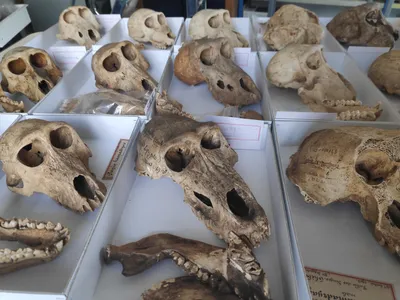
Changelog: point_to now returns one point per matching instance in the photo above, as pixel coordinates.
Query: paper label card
(66, 57)
(328, 285)
(115, 160)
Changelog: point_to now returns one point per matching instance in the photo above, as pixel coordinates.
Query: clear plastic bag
(107, 102)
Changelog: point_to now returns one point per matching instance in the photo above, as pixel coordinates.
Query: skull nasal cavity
(44, 87)
(244, 85)
(38, 60)
(211, 140)
(128, 52)
(82, 187)
(394, 213)
(61, 138)
(220, 84)
(111, 63)
(31, 155)
(208, 56)
(177, 158)
(374, 166)
(92, 35)
(17, 66)
(146, 85)
(203, 199)
(236, 204)
(314, 61)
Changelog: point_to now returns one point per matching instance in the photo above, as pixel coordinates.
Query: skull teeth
(22, 224)
(190, 267)
(356, 115)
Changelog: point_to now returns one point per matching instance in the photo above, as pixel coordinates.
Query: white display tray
(328, 41)
(241, 25)
(155, 206)
(198, 101)
(52, 280)
(287, 104)
(333, 238)
(364, 59)
(6, 120)
(120, 32)
(14, 23)
(81, 80)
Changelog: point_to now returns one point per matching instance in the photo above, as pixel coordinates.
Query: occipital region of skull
(29, 71)
(385, 72)
(181, 148)
(50, 158)
(78, 23)
(148, 26)
(359, 164)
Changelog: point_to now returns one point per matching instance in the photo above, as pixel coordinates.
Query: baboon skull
(198, 157)
(363, 25)
(215, 23)
(121, 66)
(211, 60)
(77, 23)
(385, 72)
(303, 67)
(29, 71)
(358, 164)
(146, 25)
(292, 24)
(50, 158)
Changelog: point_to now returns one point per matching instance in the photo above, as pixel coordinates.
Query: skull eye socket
(214, 22)
(227, 18)
(31, 155)
(208, 57)
(38, 60)
(61, 138)
(178, 158)
(236, 204)
(128, 52)
(226, 50)
(393, 213)
(111, 63)
(85, 13)
(314, 61)
(374, 167)
(149, 22)
(69, 17)
(17, 66)
(211, 140)
(161, 19)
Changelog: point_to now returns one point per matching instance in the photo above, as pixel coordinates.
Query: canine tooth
(50, 226)
(58, 227)
(237, 291)
(60, 245)
(180, 261)
(41, 226)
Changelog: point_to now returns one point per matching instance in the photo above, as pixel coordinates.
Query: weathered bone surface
(385, 72)
(304, 67)
(10, 105)
(234, 269)
(292, 24)
(363, 25)
(198, 157)
(167, 106)
(29, 71)
(45, 240)
(149, 26)
(77, 23)
(251, 114)
(121, 66)
(50, 158)
(359, 164)
(211, 60)
(184, 288)
(215, 23)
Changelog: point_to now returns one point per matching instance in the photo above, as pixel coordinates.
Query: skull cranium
(77, 23)
(121, 66)
(210, 60)
(303, 67)
(30, 71)
(292, 24)
(50, 158)
(385, 72)
(198, 157)
(363, 25)
(215, 23)
(146, 25)
(353, 164)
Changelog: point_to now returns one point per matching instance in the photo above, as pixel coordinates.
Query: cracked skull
(303, 67)
(78, 23)
(363, 25)
(45, 242)
(385, 72)
(211, 60)
(121, 66)
(29, 71)
(198, 157)
(215, 23)
(229, 270)
(146, 25)
(359, 164)
(292, 24)
(50, 158)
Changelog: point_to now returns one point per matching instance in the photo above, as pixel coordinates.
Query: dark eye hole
(61, 138)
(32, 155)
(393, 213)
(208, 57)
(128, 51)
(178, 158)
(111, 63)
(211, 140)
(236, 204)
(38, 60)
(203, 199)
(17, 66)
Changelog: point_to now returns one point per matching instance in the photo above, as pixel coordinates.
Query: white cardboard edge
(14, 23)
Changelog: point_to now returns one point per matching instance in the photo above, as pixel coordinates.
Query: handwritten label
(328, 285)
(115, 160)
